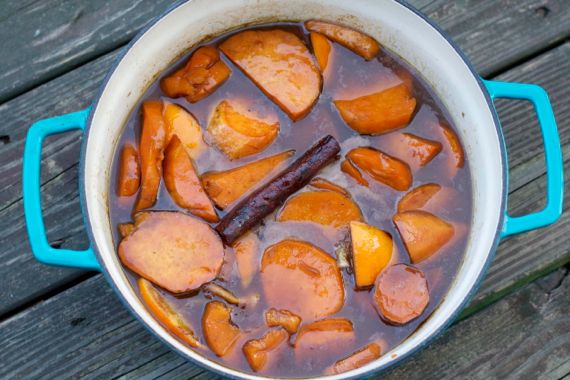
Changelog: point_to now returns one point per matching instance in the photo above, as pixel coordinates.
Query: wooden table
(60, 323)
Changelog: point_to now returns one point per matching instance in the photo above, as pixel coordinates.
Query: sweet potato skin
(219, 331)
(129, 172)
(357, 359)
(280, 64)
(382, 167)
(256, 351)
(371, 252)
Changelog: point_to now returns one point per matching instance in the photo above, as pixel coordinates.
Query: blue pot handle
(31, 189)
(552, 150)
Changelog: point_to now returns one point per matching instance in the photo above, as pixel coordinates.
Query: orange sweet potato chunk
(328, 208)
(239, 133)
(379, 112)
(321, 49)
(280, 64)
(453, 149)
(129, 172)
(166, 314)
(181, 123)
(382, 167)
(219, 331)
(256, 351)
(423, 234)
(324, 333)
(347, 167)
(203, 74)
(371, 252)
(323, 184)
(151, 149)
(357, 359)
(173, 250)
(183, 183)
(284, 318)
(246, 249)
(226, 187)
(419, 197)
(360, 43)
(415, 150)
(301, 278)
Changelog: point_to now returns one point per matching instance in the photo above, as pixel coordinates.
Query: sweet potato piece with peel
(415, 150)
(246, 249)
(382, 167)
(280, 64)
(129, 172)
(401, 294)
(181, 123)
(328, 208)
(151, 149)
(419, 197)
(203, 74)
(324, 335)
(173, 250)
(371, 252)
(301, 278)
(423, 233)
(183, 183)
(379, 112)
(360, 43)
(323, 184)
(166, 314)
(284, 318)
(226, 187)
(357, 359)
(321, 49)
(347, 167)
(239, 133)
(219, 331)
(256, 351)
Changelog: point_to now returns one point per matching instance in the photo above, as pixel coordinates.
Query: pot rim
(206, 364)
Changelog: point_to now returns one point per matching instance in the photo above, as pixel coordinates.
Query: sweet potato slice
(379, 112)
(323, 184)
(347, 167)
(219, 331)
(453, 149)
(166, 314)
(360, 43)
(321, 49)
(423, 233)
(382, 167)
(284, 318)
(325, 335)
(301, 278)
(401, 294)
(256, 351)
(203, 74)
(246, 249)
(419, 197)
(151, 149)
(280, 64)
(228, 186)
(357, 359)
(181, 123)
(183, 183)
(129, 172)
(328, 208)
(174, 251)
(415, 150)
(239, 133)
(371, 252)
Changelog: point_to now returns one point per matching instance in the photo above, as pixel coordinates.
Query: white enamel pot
(396, 26)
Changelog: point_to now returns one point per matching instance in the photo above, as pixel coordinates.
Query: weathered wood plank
(43, 39)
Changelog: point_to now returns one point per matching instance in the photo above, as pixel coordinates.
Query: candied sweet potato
(151, 150)
(183, 183)
(418, 197)
(246, 249)
(321, 49)
(301, 278)
(415, 150)
(382, 167)
(239, 133)
(256, 351)
(347, 167)
(166, 314)
(203, 74)
(423, 234)
(357, 359)
(219, 331)
(181, 123)
(360, 43)
(326, 335)
(401, 294)
(453, 149)
(323, 184)
(379, 112)
(129, 172)
(371, 252)
(226, 187)
(280, 64)
(173, 250)
(328, 208)
(284, 318)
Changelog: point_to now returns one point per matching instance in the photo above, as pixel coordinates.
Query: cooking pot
(398, 27)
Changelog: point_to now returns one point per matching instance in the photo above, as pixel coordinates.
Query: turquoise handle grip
(31, 190)
(552, 150)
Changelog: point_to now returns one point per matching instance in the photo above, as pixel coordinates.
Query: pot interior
(397, 28)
